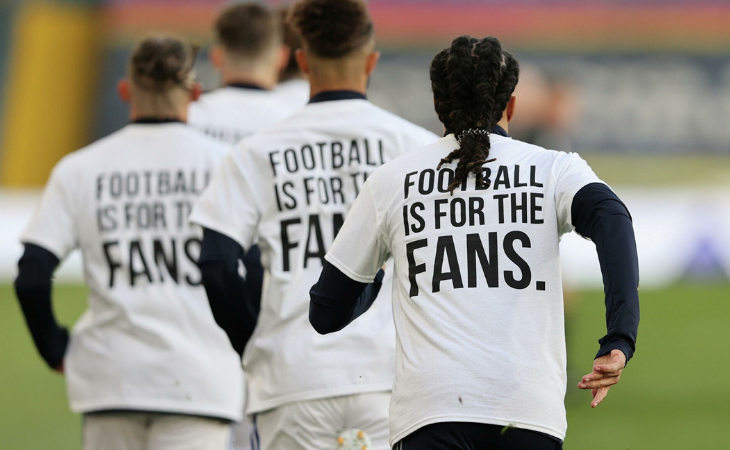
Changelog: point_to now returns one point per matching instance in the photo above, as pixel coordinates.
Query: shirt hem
(197, 409)
(219, 227)
(397, 437)
(255, 407)
(46, 244)
(346, 270)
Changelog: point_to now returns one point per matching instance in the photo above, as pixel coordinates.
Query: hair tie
(472, 131)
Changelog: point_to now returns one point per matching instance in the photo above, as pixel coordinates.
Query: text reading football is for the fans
(518, 199)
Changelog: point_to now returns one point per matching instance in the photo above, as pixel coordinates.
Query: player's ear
(123, 91)
(372, 63)
(284, 54)
(511, 105)
(216, 57)
(302, 61)
(196, 91)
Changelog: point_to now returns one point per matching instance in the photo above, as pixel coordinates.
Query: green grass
(673, 395)
(34, 412)
(692, 170)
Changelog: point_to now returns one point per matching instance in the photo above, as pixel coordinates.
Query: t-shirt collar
(251, 86)
(330, 96)
(155, 120)
(500, 131)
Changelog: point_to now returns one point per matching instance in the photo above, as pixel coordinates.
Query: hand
(606, 372)
(59, 368)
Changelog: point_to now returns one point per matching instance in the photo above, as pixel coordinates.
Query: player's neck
(256, 78)
(504, 123)
(318, 86)
(137, 114)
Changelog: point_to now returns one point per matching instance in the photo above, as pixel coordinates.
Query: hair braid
(460, 73)
(506, 87)
(470, 80)
(439, 85)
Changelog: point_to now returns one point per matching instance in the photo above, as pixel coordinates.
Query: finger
(598, 384)
(594, 376)
(600, 395)
(613, 367)
(594, 392)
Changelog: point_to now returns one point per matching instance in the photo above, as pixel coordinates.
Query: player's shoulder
(399, 125)
(196, 138)
(390, 175)
(85, 155)
(214, 97)
(201, 142)
(209, 101)
(518, 151)
(290, 123)
(521, 149)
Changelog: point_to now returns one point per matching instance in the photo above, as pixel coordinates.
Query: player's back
(148, 339)
(299, 179)
(232, 113)
(478, 299)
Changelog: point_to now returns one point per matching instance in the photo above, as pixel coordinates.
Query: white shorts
(155, 431)
(316, 424)
(243, 435)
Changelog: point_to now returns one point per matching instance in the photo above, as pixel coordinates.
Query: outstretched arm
(228, 295)
(598, 214)
(33, 287)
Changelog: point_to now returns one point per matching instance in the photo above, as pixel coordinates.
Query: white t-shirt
(294, 93)
(477, 296)
(231, 113)
(290, 186)
(148, 340)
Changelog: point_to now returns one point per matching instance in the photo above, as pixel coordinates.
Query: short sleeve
(359, 250)
(227, 205)
(52, 225)
(574, 173)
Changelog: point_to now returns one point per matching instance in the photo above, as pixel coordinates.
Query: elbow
(318, 324)
(320, 317)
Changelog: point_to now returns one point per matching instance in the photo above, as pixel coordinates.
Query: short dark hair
(291, 40)
(332, 28)
(247, 29)
(161, 62)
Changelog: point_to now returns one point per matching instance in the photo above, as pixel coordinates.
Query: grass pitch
(673, 395)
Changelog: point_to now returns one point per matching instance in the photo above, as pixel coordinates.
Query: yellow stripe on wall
(49, 95)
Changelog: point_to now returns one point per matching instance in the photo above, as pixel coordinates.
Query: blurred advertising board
(681, 234)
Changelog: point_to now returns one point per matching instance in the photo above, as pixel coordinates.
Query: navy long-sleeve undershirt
(234, 300)
(33, 288)
(600, 215)
(336, 299)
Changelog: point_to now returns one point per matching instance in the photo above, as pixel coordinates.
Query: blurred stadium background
(640, 88)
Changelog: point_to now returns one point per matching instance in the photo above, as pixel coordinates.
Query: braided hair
(472, 82)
